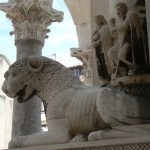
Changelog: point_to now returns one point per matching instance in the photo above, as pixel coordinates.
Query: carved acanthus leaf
(85, 56)
(31, 18)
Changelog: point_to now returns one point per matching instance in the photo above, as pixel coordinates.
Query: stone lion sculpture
(74, 112)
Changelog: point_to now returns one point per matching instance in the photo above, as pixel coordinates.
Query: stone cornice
(30, 18)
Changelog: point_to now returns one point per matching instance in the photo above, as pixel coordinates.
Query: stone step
(136, 143)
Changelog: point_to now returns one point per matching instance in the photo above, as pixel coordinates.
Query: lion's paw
(79, 138)
(15, 143)
(12, 144)
(94, 136)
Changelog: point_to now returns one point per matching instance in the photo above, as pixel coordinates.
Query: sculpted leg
(58, 132)
(113, 56)
(120, 132)
(107, 134)
(124, 51)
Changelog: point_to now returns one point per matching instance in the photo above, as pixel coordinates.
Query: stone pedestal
(112, 4)
(137, 143)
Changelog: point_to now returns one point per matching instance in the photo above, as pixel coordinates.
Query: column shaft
(30, 20)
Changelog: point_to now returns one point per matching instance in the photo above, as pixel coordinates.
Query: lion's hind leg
(120, 132)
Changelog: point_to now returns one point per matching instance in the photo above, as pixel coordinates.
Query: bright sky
(61, 38)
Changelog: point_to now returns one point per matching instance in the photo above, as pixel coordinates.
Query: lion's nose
(4, 89)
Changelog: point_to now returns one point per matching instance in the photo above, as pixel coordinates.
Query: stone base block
(136, 143)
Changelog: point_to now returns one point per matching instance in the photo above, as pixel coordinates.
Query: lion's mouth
(21, 95)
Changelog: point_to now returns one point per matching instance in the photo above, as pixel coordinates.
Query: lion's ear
(35, 63)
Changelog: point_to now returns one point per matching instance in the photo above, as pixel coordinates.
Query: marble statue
(131, 50)
(74, 111)
(102, 41)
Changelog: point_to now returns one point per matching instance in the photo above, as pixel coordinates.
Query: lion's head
(18, 82)
(39, 76)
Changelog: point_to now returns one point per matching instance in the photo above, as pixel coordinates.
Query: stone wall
(99, 7)
(5, 108)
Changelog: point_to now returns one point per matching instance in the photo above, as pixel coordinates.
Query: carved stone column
(30, 19)
(85, 56)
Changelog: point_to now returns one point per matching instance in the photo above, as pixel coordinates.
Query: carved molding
(85, 56)
(30, 18)
(134, 143)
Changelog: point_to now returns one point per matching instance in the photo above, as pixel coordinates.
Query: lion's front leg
(58, 132)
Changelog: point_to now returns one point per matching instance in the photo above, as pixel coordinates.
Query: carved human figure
(130, 51)
(102, 41)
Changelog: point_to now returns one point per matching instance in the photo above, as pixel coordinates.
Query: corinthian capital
(30, 18)
(85, 56)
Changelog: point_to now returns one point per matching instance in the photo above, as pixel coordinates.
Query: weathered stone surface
(81, 19)
(137, 143)
(30, 19)
(73, 110)
(25, 121)
(116, 111)
(129, 80)
(135, 19)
